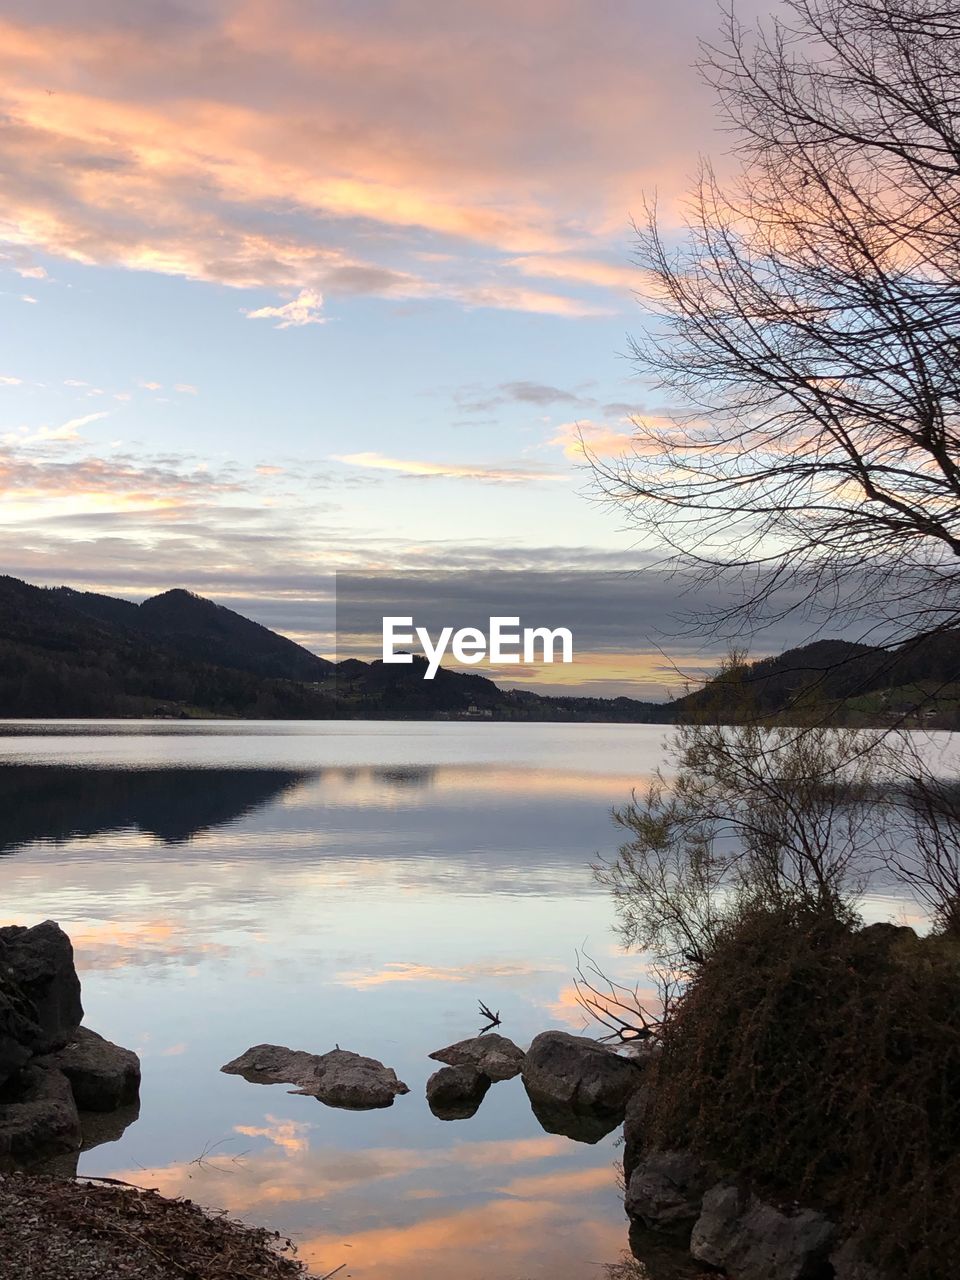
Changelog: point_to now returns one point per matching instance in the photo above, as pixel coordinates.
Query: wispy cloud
(67, 433)
(305, 309)
(486, 473)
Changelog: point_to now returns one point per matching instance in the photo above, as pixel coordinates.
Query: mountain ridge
(69, 653)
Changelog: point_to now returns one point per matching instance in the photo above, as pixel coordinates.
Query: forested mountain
(74, 653)
(839, 680)
(200, 629)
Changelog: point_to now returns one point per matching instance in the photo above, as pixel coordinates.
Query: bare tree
(807, 327)
(923, 844)
(751, 817)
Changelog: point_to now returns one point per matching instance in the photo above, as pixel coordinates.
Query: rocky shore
(63, 1088)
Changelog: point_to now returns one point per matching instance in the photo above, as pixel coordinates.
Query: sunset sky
(293, 286)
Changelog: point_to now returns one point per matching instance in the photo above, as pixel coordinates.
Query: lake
(361, 884)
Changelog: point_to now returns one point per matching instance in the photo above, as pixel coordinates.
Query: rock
(18, 1030)
(338, 1078)
(455, 1093)
(581, 1126)
(98, 1129)
(849, 1263)
(273, 1064)
(755, 1241)
(634, 1123)
(102, 1075)
(886, 931)
(496, 1056)
(576, 1072)
(665, 1191)
(39, 963)
(38, 1117)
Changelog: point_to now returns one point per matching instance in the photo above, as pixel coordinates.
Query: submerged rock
(338, 1078)
(455, 1093)
(102, 1075)
(753, 1240)
(665, 1191)
(579, 1073)
(496, 1056)
(581, 1126)
(38, 973)
(38, 1118)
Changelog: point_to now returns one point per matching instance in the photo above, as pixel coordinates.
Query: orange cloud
(260, 144)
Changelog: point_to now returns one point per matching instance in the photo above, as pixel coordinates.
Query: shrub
(822, 1064)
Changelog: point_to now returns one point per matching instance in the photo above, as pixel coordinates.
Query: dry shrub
(822, 1064)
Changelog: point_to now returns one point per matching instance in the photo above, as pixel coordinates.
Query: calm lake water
(359, 884)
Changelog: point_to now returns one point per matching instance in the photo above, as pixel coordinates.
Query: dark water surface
(354, 884)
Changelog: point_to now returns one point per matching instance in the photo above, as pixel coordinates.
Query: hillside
(73, 653)
(844, 682)
(199, 629)
(63, 653)
(66, 653)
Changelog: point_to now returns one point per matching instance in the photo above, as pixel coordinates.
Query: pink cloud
(411, 150)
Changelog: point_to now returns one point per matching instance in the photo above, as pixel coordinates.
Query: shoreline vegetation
(76, 655)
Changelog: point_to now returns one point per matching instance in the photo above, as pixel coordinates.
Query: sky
(297, 286)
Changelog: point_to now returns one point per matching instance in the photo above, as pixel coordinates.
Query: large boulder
(338, 1078)
(455, 1093)
(496, 1056)
(576, 1072)
(634, 1129)
(38, 1118)
(38, 963)
(19, 1031)
(102, 1075)
(753, 1240)
(665, 1191)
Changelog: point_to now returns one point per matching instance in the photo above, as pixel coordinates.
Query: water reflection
(360, 885)
(47, 802)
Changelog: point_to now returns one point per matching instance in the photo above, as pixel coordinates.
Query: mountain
(66, 653)
(843, 682)
(200, 629)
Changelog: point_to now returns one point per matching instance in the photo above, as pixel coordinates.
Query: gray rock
(665, 1191)
(102, 1075)
(496, 1056)
(38, 1118)
(579, 1073)
(18, 1030)
(753, 1240)
(455, 1093)
(39, 963)
(274, 1064)
(634, 1123)
(338, 1078)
